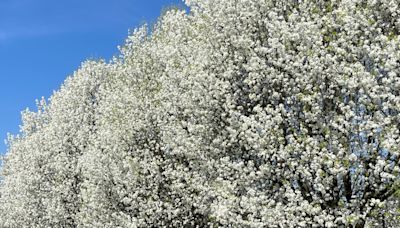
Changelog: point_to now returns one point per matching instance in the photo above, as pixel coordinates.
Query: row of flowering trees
(241, 113)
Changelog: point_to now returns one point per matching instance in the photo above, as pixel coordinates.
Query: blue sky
(44, 41)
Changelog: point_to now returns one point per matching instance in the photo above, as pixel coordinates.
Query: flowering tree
(244, 113)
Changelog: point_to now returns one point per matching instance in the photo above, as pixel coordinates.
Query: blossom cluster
(238, 113)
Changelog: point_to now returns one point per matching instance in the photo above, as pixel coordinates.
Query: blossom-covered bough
(241, 113)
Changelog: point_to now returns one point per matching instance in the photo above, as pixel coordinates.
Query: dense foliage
(241, 113)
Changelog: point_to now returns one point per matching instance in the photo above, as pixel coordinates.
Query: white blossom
(245, 113)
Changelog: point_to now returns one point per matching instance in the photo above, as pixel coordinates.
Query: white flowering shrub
(242, 113)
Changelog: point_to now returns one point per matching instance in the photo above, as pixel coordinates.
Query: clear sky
(44, 41)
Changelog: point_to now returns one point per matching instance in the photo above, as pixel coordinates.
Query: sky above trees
(44, 41)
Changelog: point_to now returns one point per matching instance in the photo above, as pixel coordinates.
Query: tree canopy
(241, 113)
